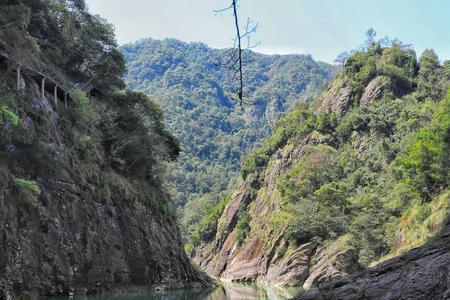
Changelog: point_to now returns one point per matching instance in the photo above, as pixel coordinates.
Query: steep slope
(420, 274)
(82, 207)
(196, 95)
(359, 176)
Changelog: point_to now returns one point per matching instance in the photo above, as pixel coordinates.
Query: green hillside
(213, 132)
(368, 160)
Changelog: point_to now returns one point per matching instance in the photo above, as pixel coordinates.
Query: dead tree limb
(235, 61)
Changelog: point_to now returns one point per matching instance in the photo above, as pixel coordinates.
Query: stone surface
(333, 262)
(75, 244)
(337, 98)
(375, 89)
(263, 256)
(421, 273)
(70, 242)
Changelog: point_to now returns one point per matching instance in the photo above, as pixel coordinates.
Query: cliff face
(83, 206)
(59, 235)
(421, 273)
(265, 256)
(340, 186)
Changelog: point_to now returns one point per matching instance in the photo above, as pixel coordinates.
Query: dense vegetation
(380, 171)
(113, 145)
(212, 130)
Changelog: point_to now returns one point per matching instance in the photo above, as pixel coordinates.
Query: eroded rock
(336, 261)
(421, 273)
(375, 89)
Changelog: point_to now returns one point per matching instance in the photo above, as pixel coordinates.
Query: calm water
(228, 291)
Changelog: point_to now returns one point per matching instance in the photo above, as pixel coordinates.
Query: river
(227, 291)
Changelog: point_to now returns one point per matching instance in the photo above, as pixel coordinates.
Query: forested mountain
(357, 176)
(196, 96)
(82, 203)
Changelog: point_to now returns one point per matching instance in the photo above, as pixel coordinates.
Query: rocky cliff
(265, 256)
(421, 273)
(60, 236)
(83, 207)
(344, 184)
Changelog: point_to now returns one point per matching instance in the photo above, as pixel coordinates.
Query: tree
(370, 37)
(343, 57)
(429, 75)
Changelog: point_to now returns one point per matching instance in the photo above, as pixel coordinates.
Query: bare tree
(343, 57)
(234, 57)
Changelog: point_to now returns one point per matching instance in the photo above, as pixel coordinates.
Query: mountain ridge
(197, 96)
(342, 183)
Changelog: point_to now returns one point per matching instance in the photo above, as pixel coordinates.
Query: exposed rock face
(421, 273)
(70, 242)
(337, 98)
(375, 89)
(263, 257)
(333, 262)
(77, 244)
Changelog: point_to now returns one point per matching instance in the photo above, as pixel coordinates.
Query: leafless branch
(234, 57)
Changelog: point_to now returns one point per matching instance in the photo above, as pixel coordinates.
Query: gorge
(131, 172)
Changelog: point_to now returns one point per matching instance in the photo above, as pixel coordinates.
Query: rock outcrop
(421, 273)
(263, 256)
(67, 241)
(76, 244)
(337, 98)
(336, 261)
(375, 89)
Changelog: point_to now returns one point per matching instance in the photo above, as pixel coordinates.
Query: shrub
(29, 191)
(207, 227)
(81, 111)
(426, 163)
(8, 115)
(243, 225)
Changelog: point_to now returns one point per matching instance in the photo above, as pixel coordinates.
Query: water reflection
(227, 291)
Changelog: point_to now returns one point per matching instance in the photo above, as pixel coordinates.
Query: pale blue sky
(322, 28)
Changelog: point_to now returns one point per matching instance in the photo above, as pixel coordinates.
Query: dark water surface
(228, 291)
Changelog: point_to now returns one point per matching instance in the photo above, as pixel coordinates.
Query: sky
(322, 28)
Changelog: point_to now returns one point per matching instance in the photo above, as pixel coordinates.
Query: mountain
(83, 207)
(214, 133)
(357, 177)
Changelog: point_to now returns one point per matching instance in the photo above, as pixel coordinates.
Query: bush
(243, 225)
(426, 162)
(7, 115)
(29, 191)
(81, 111)
(207, 227)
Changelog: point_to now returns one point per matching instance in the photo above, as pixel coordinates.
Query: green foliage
(430, 74)
(354, 120)
(426, 163)
(213, 132)
(28, 190)
(381, 168)
(293, 127)
(206, 228)
(312, 200)
(81, 112)
(243, 225)
(396, 63)
(114, 146)
(7, 115)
